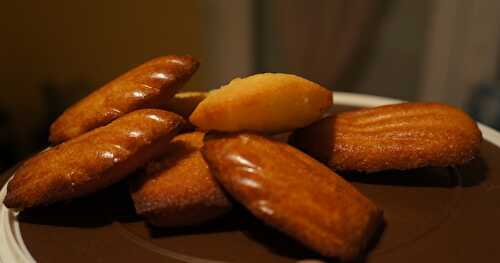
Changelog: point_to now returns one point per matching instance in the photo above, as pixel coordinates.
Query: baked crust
(394, 137)
(179, 189)
(293, 192)
(94, 160)
(146, 86)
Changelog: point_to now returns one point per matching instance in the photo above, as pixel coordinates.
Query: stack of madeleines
(192, 154)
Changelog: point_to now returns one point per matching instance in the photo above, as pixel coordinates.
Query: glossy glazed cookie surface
(294, 193)
(94, 160)
(146, 86)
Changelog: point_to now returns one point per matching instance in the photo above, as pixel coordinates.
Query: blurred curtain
(319, 40)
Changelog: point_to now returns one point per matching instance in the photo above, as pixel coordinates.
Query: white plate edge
(12, 247)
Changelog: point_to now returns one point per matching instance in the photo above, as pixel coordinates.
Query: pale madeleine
(268, 102)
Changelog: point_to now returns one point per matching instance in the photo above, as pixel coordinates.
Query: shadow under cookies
(468, 175)
(85, 212)
(96, 210)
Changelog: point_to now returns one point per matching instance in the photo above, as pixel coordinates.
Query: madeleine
(393, 137)
(179, 189)
(94, 160)
(184, 103)
(146, 86)
(294, 193)
(269, 102)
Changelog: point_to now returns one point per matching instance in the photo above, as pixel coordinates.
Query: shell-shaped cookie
(395, 137)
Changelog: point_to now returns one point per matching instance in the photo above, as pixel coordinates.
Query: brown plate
(431, 215)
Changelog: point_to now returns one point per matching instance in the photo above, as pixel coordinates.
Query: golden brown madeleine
(146, 86)
(94, 160)
(294, 193)
(184, 103)
(269, 102)
(401, 136)
(179, 189)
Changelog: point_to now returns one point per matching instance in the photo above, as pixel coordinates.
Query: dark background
(55, 52)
